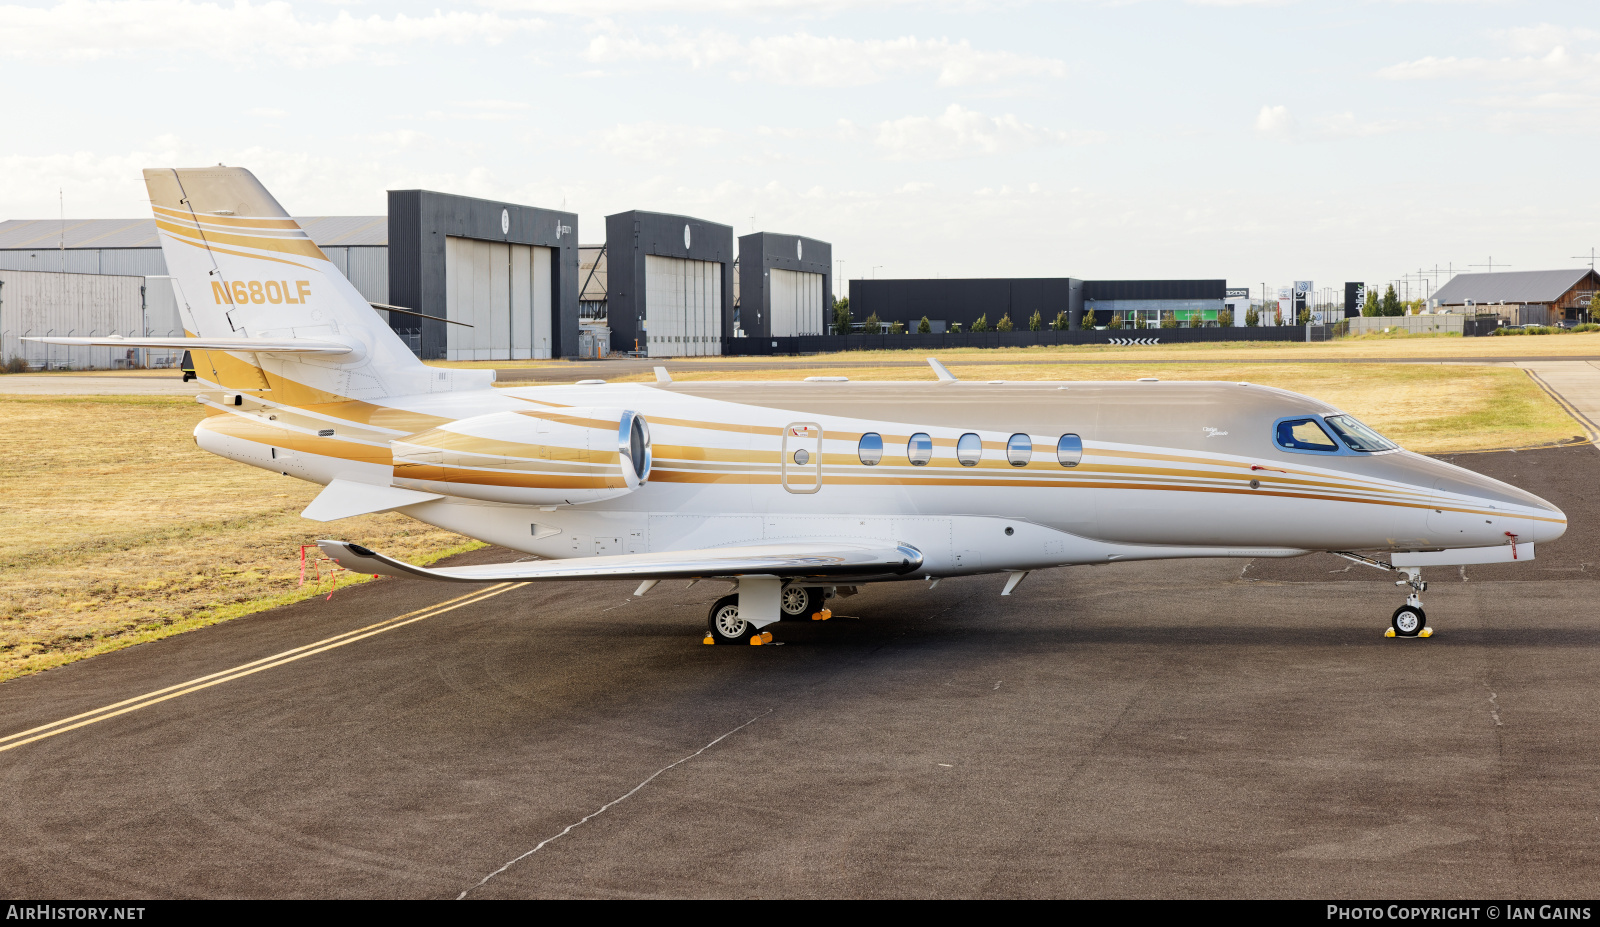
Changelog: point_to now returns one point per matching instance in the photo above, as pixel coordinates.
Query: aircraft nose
(1515, 511)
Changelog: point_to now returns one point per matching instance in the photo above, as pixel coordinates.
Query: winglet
(662, 376)
(945, 376)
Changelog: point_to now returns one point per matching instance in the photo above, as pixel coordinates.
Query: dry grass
(115, 529)
(1429, 408)
(1366, 347)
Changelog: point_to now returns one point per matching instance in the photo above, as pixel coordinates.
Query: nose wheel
(1410, 620)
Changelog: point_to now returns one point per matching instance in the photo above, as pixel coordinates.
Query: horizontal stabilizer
(249, 345)
(804, 559)
(344, 498)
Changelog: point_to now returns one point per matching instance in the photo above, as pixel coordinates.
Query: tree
(1004, 325)
(841, 316)
(982, 325)
(1252, 317)
(955, 328)
(1116, 321)
(1391, 303)
(1305, 317)
(1197, 320)
(871, 325)
(1035, 322)
(1225, 318)
(1061, 323)
(1370, 307)
(923, 328)
(897, 328)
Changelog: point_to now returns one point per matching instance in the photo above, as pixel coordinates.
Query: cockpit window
(1356, 435)
(1304, 434)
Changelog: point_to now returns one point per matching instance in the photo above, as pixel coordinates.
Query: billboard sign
(1355, 296)
(1236, 293)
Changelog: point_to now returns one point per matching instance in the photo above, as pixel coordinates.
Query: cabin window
(1069, 450)
(870, 450)
(1356, 436)
(1304, 434)
(919, 450)
(969, 450)
(1019, 450)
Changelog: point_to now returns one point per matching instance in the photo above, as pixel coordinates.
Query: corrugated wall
(73, 305)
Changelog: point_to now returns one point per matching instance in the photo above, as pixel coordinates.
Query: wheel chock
(823, 615)
(1425, 632)
(709, 640)
(760, 637)
(1388, 632)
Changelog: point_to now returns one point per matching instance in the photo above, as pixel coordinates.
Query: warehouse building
(1524, 297)
(949, 302)
(669, 284)
(785, 285)
(508, 271)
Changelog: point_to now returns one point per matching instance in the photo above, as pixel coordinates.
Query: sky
(1260, 142)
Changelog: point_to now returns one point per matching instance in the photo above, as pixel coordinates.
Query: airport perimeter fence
(824, 344)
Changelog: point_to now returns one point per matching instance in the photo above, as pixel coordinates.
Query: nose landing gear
(1410, 620)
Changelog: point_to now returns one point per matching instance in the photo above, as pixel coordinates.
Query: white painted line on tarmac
(11, 741)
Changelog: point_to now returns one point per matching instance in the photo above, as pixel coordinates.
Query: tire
(1408, 621)
(725, 625)
(798, 603)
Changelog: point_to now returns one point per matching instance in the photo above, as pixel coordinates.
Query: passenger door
(802, 457)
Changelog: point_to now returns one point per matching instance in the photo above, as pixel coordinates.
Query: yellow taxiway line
(239, 672)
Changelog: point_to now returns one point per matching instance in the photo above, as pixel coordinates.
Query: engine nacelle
(560, 456)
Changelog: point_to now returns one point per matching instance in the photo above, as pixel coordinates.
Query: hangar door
(797, 306)
(683, 306)
(503, 291)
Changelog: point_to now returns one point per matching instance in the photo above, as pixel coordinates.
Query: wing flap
(248, 345)
(800, 559)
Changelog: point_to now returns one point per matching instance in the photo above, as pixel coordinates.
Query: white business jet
(794, 492)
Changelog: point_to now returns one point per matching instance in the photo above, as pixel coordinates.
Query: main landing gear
(795, 603)
(1409, 619)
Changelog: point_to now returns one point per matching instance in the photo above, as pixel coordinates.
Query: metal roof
(1519, 286)
(30, 234)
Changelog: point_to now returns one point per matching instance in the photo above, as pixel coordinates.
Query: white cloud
(245, 33)
(827, 61)
(1346, 125)
(960, 132)
(1275, 121)
(657, 142)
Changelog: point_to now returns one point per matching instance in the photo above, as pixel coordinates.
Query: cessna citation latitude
(794, 491)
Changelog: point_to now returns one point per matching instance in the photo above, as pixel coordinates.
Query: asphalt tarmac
(1191, 729)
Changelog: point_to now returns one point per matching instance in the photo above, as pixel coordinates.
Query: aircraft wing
(267, 345)
(820, 559)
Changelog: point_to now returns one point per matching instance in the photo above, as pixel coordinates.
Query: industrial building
(785, 285)
(949, 302)
(513, 276)
(1523, 297)
(669, 284)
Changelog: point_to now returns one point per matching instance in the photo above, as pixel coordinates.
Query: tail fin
(243, 269)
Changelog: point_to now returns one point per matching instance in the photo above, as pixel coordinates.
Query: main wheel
(797, 603)
(1408, 621)
(725, 625)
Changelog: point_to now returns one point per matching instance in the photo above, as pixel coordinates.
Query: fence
(821, 344)
(1442, 324)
